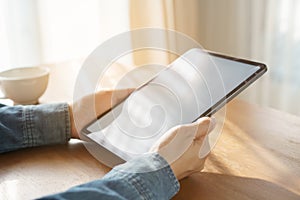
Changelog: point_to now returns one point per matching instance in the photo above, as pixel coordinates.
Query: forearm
(147, 177)
(28, 126)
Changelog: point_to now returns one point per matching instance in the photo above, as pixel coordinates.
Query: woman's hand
(181, 145)
(90, 107)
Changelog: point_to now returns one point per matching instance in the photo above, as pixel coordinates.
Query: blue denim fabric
(148, 177)
(28, 126)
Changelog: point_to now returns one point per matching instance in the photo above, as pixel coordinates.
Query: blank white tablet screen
(178, 95)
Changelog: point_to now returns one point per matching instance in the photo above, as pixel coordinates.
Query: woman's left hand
(91, 106)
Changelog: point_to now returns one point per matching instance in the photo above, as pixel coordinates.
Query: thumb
(205, 126)
(119, 94)
(106, 99)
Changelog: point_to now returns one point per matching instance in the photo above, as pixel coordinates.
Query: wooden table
(256, 157)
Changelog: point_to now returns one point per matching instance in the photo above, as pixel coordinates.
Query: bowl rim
(45, 72)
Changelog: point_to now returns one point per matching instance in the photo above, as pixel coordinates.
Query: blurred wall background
(43, 31)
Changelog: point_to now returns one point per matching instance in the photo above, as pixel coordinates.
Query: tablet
(196, 84)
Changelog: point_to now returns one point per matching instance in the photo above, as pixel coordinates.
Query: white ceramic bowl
(24, 85)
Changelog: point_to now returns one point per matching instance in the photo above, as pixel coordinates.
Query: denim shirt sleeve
(148, 177)
(28, 126)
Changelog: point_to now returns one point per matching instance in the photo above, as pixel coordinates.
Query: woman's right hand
(181, 145)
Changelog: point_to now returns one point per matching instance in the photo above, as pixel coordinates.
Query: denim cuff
(149, 175)
(46, 124)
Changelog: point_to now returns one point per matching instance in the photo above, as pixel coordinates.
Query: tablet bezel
(238, 89)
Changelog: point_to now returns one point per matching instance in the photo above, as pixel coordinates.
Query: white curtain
(281, 53)
(48, 31)
(267, 31)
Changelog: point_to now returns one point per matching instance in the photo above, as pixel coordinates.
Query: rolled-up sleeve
(148, 177)
(35, 125)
